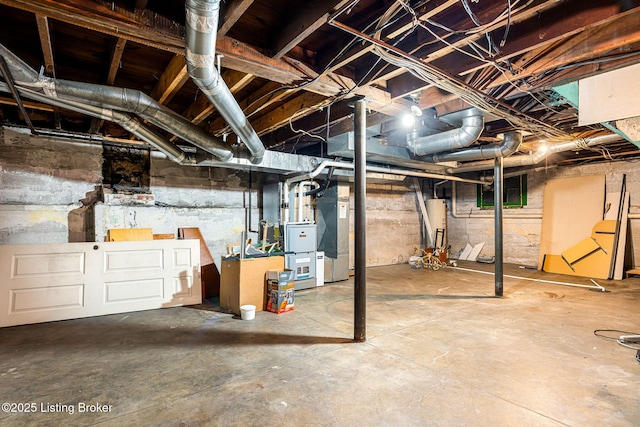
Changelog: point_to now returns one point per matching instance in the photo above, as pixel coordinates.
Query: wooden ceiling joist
(307, 19)
(202, 107)
(116, 58)
(27, 104)
(232, 11)
(237, 55)
(531, 34)
(262, 99)
(395, 76)
(171, 80)
(45, 41)
(621, 31)
(302, 105)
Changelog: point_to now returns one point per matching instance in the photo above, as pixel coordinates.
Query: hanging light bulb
(408, 120)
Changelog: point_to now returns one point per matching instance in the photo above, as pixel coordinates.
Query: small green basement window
(514, 193)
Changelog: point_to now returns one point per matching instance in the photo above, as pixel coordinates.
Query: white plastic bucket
(248, 312)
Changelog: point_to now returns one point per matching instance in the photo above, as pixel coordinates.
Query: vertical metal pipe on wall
(360, 222)
(497, 204)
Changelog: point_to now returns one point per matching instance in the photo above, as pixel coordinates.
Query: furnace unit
(300, 253)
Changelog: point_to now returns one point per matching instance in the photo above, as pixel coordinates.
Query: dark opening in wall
(126, 168)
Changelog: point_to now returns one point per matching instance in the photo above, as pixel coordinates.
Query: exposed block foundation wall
(522, 226)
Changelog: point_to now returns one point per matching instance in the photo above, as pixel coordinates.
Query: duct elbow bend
(512, 141)
(471, 130)
(186, 159)
(462, 137)
(256, 160)
(257, 153)
(138, 102)
(224, 156)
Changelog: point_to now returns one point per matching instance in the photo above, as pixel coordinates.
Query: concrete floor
(440, 351)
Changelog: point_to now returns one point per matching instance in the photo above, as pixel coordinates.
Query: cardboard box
(280, 290)
(242, 281)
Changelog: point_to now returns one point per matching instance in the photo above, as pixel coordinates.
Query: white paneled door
(42, 283)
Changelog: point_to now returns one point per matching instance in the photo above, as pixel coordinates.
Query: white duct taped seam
(203, 24)
(198, 60)
(49, 87)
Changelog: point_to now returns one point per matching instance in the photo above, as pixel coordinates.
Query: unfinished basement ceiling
(295, 67)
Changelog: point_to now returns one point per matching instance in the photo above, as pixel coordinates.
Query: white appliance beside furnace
(301, 243)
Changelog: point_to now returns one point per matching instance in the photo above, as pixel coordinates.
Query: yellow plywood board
(571, 207)
(584, 248)
(608, 226)
(586, 262)
(129, 234)
(555, 264)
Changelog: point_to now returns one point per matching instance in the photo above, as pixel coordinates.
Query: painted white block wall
(42, 180)
(393, 224)
(522, 227)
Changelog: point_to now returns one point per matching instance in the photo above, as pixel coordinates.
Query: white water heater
(437, 212)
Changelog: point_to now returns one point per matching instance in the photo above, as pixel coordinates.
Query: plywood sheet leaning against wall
(571, 208)
(617, 208)
(210, 274)
(602, 254)
(129, 234)
(591, 257)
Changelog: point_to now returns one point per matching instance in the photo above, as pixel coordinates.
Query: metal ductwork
(20, 71)
(462, 137)
(200, 39)
(512, 141)
(127, 121)
(535, 158)
(110, 98)
(141, 104)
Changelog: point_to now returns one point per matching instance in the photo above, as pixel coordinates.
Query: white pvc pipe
(301, 190)
(341, 165)
(551, 282)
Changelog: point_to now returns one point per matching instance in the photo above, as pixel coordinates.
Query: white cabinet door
(42, 283)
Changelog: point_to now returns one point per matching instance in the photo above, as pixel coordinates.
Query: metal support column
(360, 222)
(497, 204)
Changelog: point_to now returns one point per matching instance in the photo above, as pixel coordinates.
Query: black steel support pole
(497, 203)
(360, 222)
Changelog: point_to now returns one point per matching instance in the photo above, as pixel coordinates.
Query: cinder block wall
(44, 180)
(41, 184)
(393, 224)
(522, 227)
